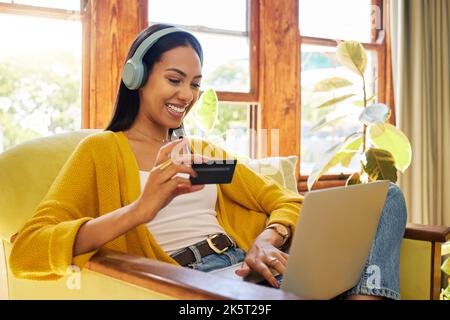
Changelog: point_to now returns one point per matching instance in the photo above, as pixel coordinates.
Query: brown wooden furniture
(182, 283)
(178, 282)
(434, 237)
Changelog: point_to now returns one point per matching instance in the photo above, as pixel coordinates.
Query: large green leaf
(206, 109)
(380, 165)
(352, 55)
(342, 153)
(325, 122)
(446, 266)
(331, 84)
(375, 113)
(334, 101)
(388, 137)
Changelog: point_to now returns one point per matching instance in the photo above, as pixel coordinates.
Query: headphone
(134, 70)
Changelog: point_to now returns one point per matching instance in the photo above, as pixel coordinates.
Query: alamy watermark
(73, 281)
(268, 141)
(374, 279)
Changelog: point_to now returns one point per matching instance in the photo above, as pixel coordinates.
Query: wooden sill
(178, 282)
(302, 186)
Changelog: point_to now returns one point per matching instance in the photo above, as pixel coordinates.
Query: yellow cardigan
(101, 176)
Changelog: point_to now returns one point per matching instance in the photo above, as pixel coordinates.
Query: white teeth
(174, 108)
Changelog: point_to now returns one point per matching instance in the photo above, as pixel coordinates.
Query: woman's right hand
(163, 183)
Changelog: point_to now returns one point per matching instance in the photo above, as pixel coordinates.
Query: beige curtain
(421, 64)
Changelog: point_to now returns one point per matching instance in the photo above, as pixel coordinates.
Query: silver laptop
(332, 241)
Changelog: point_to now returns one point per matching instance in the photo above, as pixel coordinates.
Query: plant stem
(365, 105)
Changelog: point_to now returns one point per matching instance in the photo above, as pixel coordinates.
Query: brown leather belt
(216, 243)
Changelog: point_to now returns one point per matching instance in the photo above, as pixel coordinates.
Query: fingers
(179, 181)
(167, 149)
(258, 266)
(282, 257)
(285, 255)
(277, 264)
(169, 172)
(183, 188)
(264, 270)
(244, 270)
(276, 260)
(188, 159)
(181, 185)
(181, 166)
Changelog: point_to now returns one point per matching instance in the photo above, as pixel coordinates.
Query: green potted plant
(445, 291)
(205, 110)
(381, 148)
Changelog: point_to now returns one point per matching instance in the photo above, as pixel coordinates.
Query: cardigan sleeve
(259, 193)
(43, 248)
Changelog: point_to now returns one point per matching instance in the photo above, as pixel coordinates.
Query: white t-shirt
(189, 218)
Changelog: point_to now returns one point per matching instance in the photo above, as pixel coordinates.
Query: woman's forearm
(96, 232)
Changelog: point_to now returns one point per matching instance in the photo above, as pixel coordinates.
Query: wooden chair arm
(178, 282)
(427, 233)
(428, 256)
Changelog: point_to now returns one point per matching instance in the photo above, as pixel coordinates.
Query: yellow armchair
(28, 170)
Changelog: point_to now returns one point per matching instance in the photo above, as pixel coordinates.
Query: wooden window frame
(380, 43)
(261, 98)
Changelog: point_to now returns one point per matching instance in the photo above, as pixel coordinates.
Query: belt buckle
(213, 246)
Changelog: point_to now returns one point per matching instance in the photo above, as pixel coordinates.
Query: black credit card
(214, 172)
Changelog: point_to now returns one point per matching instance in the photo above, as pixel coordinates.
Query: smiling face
(172, 88)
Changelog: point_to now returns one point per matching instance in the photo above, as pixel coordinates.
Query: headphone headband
(134, 70)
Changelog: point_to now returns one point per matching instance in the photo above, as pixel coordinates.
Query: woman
(126, 188)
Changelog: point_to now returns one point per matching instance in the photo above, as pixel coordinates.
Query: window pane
(231, 130)
(343, 19)
(40, 78)
(318, 63)
(226, 62)
(57, 4)
(228, 15)
(226, 65)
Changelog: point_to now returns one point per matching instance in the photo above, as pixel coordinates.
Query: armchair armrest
(177, 282)
(427, 233)
(420, 261)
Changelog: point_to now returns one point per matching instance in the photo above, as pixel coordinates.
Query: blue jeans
(381, 274)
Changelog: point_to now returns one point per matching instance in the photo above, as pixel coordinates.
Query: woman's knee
(395, 194)
(395, 201)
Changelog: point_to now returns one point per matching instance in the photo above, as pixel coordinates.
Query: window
(223, 29)
(343, 19)
(40, 76)
(321, 23)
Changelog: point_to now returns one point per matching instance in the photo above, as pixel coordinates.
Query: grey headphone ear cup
(130, 75)
(134, 71)
(144, 75)
(139, 68)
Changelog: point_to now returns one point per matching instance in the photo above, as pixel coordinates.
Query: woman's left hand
(264, 254)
